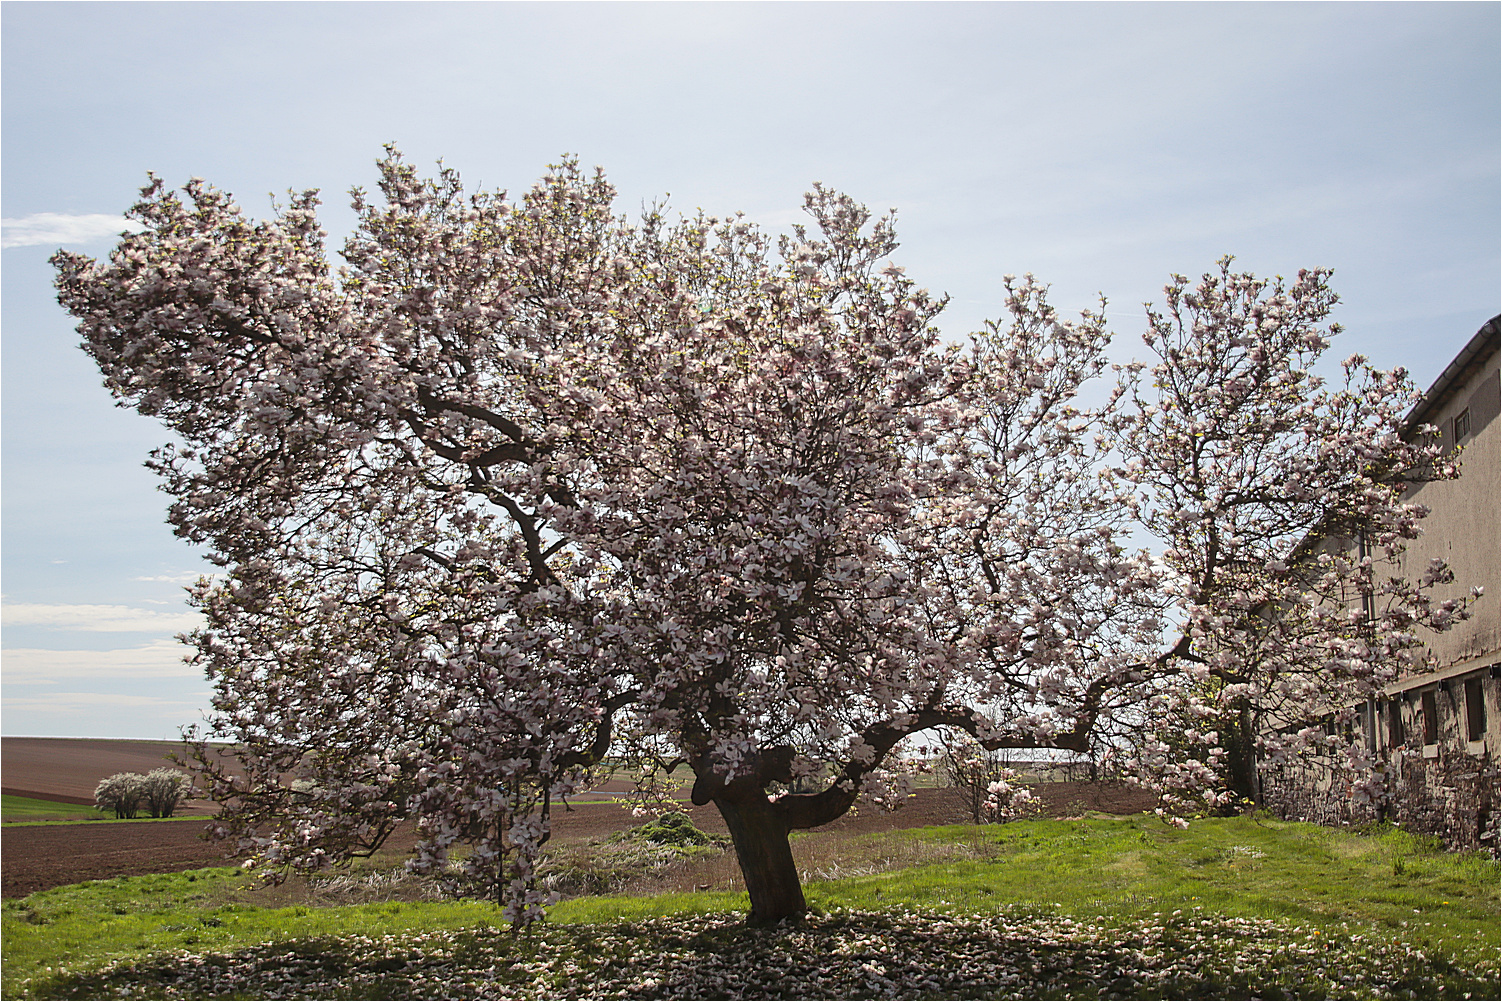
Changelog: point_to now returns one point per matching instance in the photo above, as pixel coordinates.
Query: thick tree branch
(432, 402)
(600, 746)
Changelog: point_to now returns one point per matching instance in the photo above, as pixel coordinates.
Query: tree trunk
(1239, 741)
(761, 844)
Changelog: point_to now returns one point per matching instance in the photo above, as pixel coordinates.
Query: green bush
(672, 828)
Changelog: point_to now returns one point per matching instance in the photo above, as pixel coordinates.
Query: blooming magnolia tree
(1280, 503)
(523, 485)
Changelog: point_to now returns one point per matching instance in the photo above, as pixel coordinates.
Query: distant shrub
(164, 789)
(608, 865)
(122, 793)
(672, 828)
(158, 792)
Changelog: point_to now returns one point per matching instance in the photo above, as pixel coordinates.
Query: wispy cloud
(99, 618)
(57, 228)
(32, 666)
(187, 577)
(77, 702)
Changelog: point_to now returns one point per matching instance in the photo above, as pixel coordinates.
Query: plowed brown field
(68, 769)
(36, 857)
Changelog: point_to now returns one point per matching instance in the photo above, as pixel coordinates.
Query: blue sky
(1099, 146)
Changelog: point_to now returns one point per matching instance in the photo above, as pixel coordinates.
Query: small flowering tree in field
(122, 793)
(158, 792)
(1280, 503)
(525, 483)
(163, 789)
(987, 787)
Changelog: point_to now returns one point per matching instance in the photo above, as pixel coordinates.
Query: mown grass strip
(107, 820)
(30, 811)
(58, 934)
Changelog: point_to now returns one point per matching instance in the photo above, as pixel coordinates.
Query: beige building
(1435, 734)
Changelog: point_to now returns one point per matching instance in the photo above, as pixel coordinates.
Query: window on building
(1475, 711)
(1430, 707)
(1462, 424)
(1395, 737)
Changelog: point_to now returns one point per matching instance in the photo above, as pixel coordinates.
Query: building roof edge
(1488, 337)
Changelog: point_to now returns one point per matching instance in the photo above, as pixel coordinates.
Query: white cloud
(99, 618)
(75, 702)
(158, 659)
(188, 577)
(58, 228)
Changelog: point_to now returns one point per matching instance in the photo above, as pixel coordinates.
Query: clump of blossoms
(983, 783)
(1007, 799)
(523, 484)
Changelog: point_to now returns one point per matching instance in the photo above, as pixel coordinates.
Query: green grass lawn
(31, 811)
(13, 809)
(1311, 911)
(1387, 881)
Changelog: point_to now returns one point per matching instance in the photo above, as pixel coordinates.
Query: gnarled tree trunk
(760, 834)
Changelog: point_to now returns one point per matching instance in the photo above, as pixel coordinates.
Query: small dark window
(1475, 711)
(1462, 424)
(1431, 716)
(1395, 723)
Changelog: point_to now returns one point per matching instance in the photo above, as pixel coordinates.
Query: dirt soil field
(36, 857)
(68, 769)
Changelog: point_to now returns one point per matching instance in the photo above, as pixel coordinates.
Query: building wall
(1437, 735)
(1462, 527)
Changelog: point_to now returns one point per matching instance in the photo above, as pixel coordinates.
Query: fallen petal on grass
(899, 954)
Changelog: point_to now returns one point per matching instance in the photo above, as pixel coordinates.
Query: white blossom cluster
(846, 955)
(525, 484)
(158, 792)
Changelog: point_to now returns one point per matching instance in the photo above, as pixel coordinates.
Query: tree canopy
(523, 485)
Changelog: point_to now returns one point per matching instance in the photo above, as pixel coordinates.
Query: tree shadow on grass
(863, 955)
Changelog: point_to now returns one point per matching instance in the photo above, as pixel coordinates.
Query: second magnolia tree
(526, 486)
